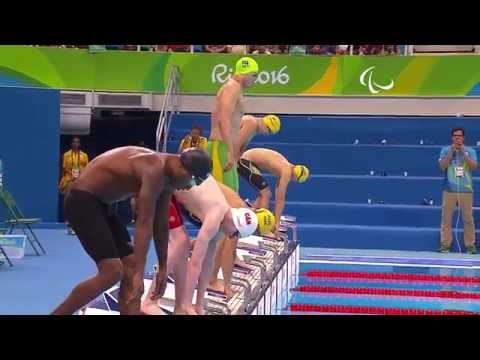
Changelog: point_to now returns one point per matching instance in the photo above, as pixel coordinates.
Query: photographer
(457, 161)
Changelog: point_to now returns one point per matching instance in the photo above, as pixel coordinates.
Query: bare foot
(244, 264)
(199, 309)
(229, 292)
(151, 309)
(190, 310)
(179, 312)
(217, 285)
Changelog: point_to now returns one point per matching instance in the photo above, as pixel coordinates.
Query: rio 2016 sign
(75, 69)
(222, 72)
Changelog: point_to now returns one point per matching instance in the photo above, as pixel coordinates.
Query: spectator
(367, 49)
(297, 49)
(179, 48)
(146, 47)
(237, 49)
(74, 161)
(195, 139)
(161, 48)
(260, 50)
(215, 48)
(321, 49)
(390, 50)
(343, 49)
(457, 161)
(273, 49)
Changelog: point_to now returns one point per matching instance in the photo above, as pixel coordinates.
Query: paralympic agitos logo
(373, 87)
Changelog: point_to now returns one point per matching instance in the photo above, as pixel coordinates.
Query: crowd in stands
(259, 49)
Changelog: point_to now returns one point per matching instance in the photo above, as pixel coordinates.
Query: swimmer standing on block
(114, 176)
(225, 122)
(254, 161)
(216, 210)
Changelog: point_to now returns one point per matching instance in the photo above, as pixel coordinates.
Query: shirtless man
(114, 176)
(225, 122)
(251, 126)
(260, 159)
(216, 210)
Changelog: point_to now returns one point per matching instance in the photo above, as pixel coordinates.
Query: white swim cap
(245, 221)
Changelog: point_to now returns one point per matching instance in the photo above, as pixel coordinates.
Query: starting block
(261, 282)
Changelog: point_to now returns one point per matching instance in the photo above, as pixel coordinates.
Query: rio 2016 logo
(221, 73)
(373, 87)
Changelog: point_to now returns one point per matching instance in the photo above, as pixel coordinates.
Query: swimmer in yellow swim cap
(225, 122)
(255, 161)
(252, 125)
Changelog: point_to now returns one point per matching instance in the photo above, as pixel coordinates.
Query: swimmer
(212, 208)
(225, 122)
(251, 125)
(225, 257)
(254, 161)
(111, 177)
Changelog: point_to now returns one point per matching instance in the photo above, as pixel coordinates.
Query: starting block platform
(261, 282)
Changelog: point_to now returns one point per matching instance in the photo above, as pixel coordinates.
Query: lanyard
(78, 159)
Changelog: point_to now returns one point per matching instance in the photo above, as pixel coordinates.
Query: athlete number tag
(459, 171)
(75, 173)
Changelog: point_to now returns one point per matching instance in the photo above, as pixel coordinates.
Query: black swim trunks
(248, 171)
(100, 231)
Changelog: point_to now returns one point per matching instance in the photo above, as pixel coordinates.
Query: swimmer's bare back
(267, 160)
(233, 199)
(204, 198)
(229, 101)
(117, 174)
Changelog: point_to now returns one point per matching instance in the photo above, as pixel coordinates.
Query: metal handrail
(169, 107)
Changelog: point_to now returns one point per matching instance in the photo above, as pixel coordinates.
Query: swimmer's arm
(280, 194)
(160, 238)
(209, 229)
(227, 102)
(152, 184)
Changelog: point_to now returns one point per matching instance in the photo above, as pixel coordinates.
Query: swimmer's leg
(263, 199)
(227, 262)
(129, 301)
(207, 267)
(110, 271)
(214, 282)
(180, 250)
(97, 231)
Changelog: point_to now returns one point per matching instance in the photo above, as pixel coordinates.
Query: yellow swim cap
(301, 173)
(272, 122)
(266, 221)
(246, 65)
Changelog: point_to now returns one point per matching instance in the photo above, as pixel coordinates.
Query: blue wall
(29, 149)
(332, 207)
